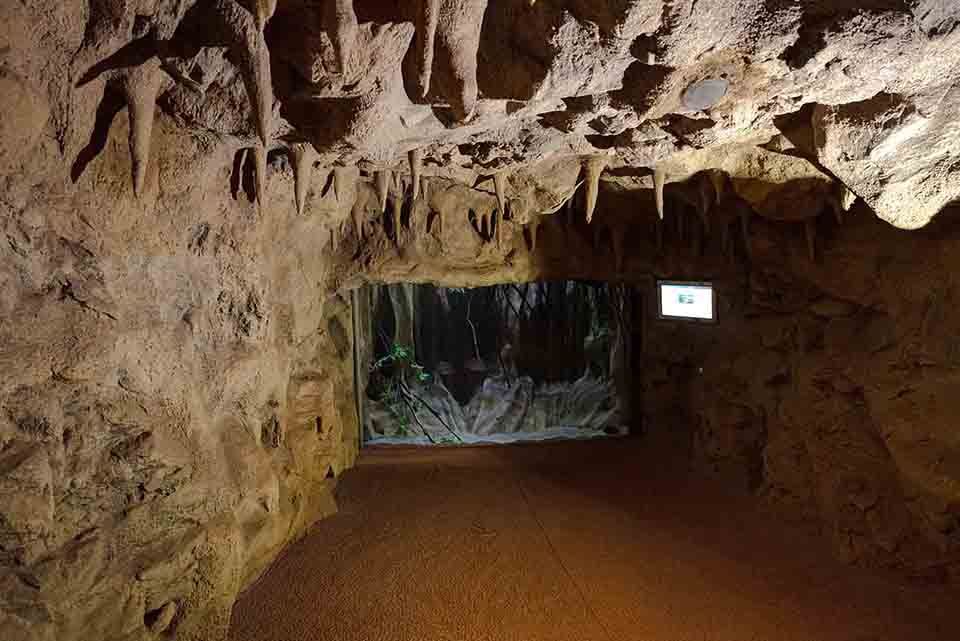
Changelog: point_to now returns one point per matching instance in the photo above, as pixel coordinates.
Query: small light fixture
(703, 94)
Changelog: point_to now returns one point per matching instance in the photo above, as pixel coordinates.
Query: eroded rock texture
(188, 190)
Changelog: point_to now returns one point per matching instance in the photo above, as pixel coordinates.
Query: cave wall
(177, 396)
(189, 190)
(824, 387)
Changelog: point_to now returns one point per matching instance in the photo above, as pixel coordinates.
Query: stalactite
(262, 11)
(500, 186)
(415, 158)
(358, 215)
(174, 72)
(344, 182)
(593, 167)
(429, 12)
(252, 57)
(141, 85)
(260, 173)
(841, 202)
(457, 43)
(382, 182)
(847, 197)
(659, 180)
(396, 206)
(719, 180)
(340, 22)
(303, 156)
(532, 228)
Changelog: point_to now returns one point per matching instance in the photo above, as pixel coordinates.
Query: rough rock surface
(189, 188)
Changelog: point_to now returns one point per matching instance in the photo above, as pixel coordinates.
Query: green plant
(397, 396)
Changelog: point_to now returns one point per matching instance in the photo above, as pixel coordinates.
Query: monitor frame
(686, 319)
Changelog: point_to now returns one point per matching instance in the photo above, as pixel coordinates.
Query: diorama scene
(504, 363)
(479, 320)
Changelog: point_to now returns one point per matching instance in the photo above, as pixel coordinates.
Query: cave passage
(606, 540)
(504, 363)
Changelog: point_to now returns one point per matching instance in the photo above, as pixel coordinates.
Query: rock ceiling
(797, 107)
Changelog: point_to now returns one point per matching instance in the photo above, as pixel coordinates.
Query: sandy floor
(592, 541)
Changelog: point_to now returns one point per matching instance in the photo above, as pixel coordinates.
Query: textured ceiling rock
(485, 86)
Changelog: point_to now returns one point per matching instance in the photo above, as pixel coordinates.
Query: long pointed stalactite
(457, 43)
(260, 173)
(381, 181)
(303, 156)
(593, 167)
(426, 24)
(141, 86)
(415, 158)
(659, 180)
(340, 21)
(248, 47)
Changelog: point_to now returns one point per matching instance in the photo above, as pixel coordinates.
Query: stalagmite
(340, 22)
(140, 87)
(810, 231)
(680, 216)
(260, 172)
(659, 180)
(382, 183)
(303, 155)
(429, 12)
(593, 167)
(416, 170)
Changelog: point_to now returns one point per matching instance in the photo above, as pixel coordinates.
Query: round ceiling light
(704, 94)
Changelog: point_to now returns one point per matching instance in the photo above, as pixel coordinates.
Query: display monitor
(684, 300)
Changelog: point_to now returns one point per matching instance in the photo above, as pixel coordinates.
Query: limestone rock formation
(190, 190)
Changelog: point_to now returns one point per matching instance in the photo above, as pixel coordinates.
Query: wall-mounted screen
(686, 300)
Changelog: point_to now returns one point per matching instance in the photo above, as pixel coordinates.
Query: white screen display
(686, 301)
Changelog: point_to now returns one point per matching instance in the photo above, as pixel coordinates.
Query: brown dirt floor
(596, 541)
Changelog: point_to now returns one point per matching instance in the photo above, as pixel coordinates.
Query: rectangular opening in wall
(498, 364)
(685, 300)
